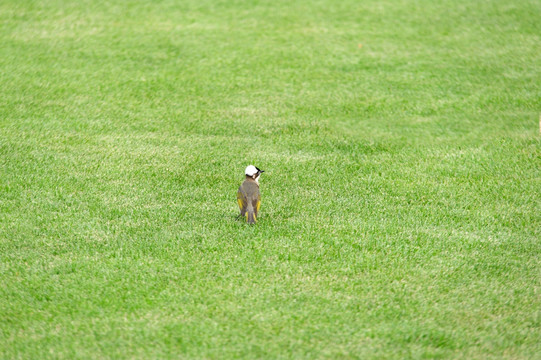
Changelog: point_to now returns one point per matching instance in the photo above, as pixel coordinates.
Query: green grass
(400, 209)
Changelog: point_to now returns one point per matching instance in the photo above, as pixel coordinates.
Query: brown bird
(248, 196)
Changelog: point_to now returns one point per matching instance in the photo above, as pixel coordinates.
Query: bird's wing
(257, 202)
(241, 199)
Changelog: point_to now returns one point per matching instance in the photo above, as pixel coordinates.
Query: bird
(248, 195)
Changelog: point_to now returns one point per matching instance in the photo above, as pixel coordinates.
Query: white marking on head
(250, 170)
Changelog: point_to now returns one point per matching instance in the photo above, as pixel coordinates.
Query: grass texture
(400, 211)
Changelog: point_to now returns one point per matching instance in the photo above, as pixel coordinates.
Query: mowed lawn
(401, 199)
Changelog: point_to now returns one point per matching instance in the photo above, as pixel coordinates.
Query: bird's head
(253, 172)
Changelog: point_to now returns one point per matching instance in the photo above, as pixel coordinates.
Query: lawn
(401, 199)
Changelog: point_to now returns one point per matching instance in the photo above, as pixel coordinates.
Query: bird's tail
(250, 215)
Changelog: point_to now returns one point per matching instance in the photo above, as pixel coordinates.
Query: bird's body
(249, 196)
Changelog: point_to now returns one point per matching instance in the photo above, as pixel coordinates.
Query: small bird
(248, 196)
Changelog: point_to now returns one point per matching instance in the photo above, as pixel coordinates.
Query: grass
(401, 195)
